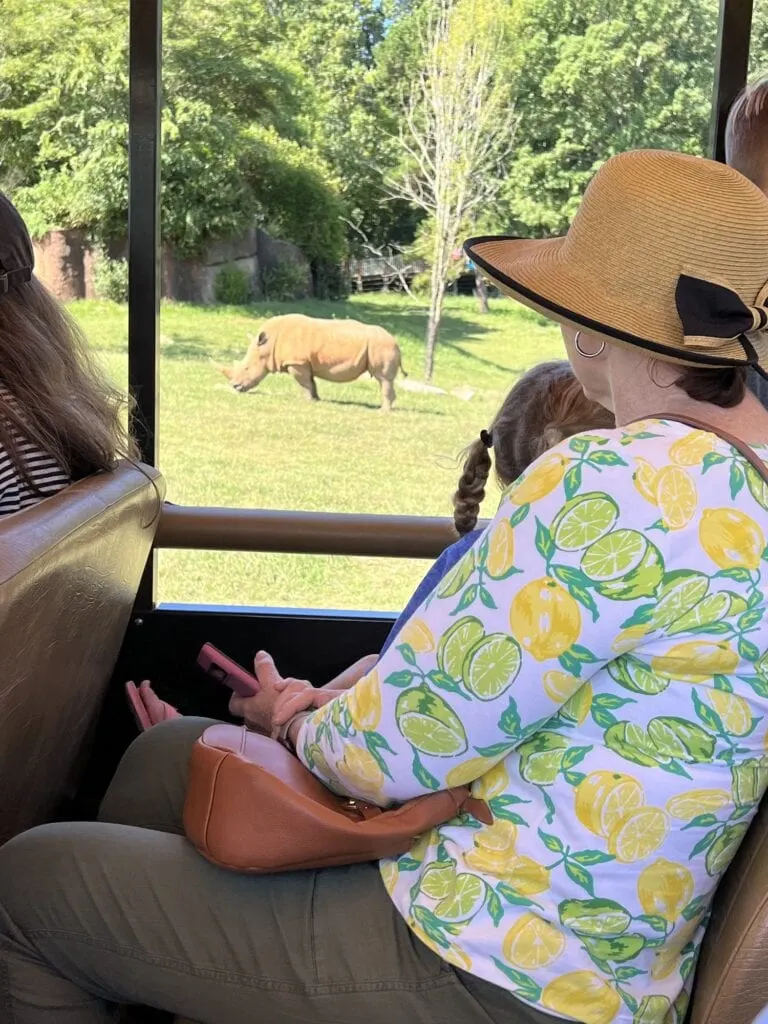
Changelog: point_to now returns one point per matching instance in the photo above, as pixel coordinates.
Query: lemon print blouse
(596, 666)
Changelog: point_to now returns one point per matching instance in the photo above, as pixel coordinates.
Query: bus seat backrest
(732, 976)
(69, 571)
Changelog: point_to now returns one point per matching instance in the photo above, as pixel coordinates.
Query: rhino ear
(263, 339)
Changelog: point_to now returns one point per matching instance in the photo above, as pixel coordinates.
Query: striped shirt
(45, 473)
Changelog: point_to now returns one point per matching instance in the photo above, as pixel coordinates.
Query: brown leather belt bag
(252, 806)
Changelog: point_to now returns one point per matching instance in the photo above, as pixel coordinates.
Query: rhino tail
(402, 368)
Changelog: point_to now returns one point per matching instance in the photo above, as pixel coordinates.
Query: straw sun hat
(667, 252)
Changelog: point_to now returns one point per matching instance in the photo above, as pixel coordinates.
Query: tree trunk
(481, 292)
(435, 314)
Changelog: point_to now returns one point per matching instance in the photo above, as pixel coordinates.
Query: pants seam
(244, 980)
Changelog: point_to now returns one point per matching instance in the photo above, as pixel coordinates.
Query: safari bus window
(312, 238)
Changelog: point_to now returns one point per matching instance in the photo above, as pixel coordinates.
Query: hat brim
(534, 272)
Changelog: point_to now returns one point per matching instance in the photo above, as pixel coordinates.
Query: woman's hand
(278, 699)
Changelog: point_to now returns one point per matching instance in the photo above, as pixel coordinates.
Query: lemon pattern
(596, 669)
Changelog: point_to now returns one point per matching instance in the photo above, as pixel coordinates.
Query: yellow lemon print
(500, 837)
(734, 712)
(359, 769)
(418, 634)
(676, 497)
(364, 703)
(532, 943)
(665, 888)
(582, 995)
(731, 538)
(691, 449)
(638, 835)
(539, 481)
(645, 479)
(689, 805)
(485, 862)
(604, 799)
(501, 550)
(527, 876)
(695, 661)
(457, 957)
(545, 619)
(469, 771)
(560, 686)
(630, 638)
(493, 783)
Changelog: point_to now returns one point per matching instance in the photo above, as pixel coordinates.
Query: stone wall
(65, 262)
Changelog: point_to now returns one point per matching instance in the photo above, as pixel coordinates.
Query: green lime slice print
(618, 950)
(491, 666)
(429, 724)
(454, 581)
(652, 1010)
(631, 742)
(748, 779)
(677, 737)
(633, 675)
(541, 758)
(464, 902)
(455, 644)
(439, 881)
(584, 520)
(720, 853)
(623, 565)
(600, 918)
(709, 610)
(678, 595)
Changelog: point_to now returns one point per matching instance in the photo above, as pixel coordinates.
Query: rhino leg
(303, 377)
(387, 394)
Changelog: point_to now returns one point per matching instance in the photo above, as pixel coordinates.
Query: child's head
(546, 405)
(746, 134)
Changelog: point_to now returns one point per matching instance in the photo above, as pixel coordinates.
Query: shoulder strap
(752, 457)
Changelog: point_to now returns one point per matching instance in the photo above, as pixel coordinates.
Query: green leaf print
(585, 599)
(641, 616)
(711, 459)
(602, 717)
(748, 650)
(724, 847)
(706, 714)
(574, 778)
(704, 843)
(444, 682)
(422, 775)
(591, 857)
(496, 750)
(466, 599)
(582, 654)
(723, 683)
(408, 653)
(654, 921)
(510, 719)
(736, 480)
(686, 967)
(574, 755)
(408, 863)
(572, 481)
(375, 743)
(580, 876)
(494, 907)
(431, 925)
(513, 896)
(751, 618)
(570, 576)
(757, 683)
(401, 679)
(519, 515)
(674, 768)
(525, 987)
(701, 821)
(486, 599)
(611, 701)
(737, 573)
(605, 459)
(551, 842)
(579, 445)
(458, 577)
(544, 543)
(695, 908)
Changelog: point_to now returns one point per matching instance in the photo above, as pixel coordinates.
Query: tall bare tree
(456, 129)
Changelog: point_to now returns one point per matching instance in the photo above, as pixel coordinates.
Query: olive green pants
(124, 910)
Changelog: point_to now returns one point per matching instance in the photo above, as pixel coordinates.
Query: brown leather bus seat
(731, 984)
(69, 571)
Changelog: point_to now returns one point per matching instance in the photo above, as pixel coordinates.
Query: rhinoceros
(307, 347)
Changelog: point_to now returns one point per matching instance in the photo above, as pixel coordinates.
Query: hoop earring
(587, 355)
(663, 387)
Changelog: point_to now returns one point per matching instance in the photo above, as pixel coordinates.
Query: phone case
(225, 670)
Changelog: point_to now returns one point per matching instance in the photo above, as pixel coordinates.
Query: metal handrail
(307, 533)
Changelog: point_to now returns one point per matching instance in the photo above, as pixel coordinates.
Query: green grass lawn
(272, 449)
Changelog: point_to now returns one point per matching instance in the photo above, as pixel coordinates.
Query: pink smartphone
(136, 704)
(224, 670)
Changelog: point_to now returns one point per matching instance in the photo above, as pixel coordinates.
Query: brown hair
(725, 386)
(746, 134)
(59, 400)
(545, 406)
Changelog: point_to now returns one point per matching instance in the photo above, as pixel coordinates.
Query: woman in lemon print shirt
(595, 666)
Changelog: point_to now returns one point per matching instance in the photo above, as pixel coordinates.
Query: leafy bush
(331, 282)
(284, 282)
(232, 286)
(110, 278)
(421, 283)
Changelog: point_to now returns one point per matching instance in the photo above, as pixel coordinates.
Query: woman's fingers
(265, 670)
(290, 703)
